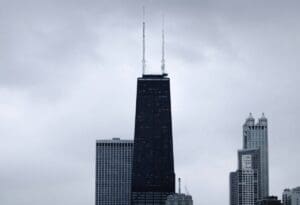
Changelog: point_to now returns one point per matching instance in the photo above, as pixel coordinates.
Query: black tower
(153, 177)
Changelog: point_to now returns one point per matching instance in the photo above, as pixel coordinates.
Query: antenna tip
(143, 13)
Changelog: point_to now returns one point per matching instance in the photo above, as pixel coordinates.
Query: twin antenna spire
(144, 43)
(163, 45)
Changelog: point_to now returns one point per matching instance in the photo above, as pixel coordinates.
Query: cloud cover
(68, 74)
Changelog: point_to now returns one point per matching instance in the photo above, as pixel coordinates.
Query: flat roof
(114, 140)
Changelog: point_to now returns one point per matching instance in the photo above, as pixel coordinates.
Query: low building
(179, 199)
(270, 200)
(291, 196)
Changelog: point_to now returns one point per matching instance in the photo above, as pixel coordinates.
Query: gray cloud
(68, 77)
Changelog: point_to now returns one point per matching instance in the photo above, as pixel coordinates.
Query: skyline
(63, 64)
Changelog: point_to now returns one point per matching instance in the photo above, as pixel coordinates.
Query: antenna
(144, 43)
(179, 185)
(163, 45)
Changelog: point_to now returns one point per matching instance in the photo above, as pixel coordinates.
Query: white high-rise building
(291, 197)
(255, 136)
(113, 171)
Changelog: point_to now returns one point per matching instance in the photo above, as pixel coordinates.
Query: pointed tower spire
(163, 46)
(144, 43)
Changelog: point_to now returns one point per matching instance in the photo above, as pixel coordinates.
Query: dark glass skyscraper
(153, 177)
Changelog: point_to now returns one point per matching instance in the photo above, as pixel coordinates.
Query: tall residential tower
(250, 183)
(113, 171)
(255, 136)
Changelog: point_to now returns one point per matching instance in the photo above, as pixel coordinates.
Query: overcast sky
(68, 74)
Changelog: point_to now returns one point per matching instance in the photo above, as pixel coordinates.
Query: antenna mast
(144, 43)
(163, 46)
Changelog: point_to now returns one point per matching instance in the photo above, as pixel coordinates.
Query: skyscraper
(113, 171)
(255, 136)
(249, 176)
(153, 177)
(250, 183)
(244, 183)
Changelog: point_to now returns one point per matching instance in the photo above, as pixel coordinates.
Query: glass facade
(244, 183)
(113, 171)
(153, 177)
(233, 187)
(256, 137)
(250, 183)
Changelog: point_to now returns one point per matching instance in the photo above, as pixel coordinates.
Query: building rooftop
(154, 76)
(114, 140)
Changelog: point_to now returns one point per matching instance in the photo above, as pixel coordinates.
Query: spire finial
(163, 45)
(144, 43)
